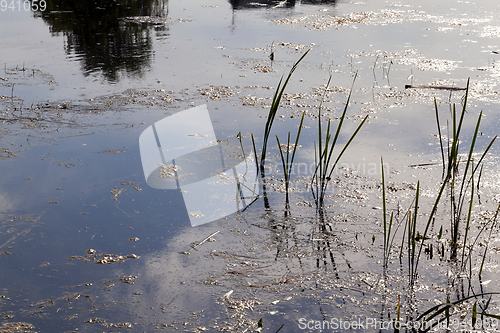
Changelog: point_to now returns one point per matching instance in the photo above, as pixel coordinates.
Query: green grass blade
(410, 242)
(471, 150)
(388, 235)
(287, 162)
(488, 241)
(298, 135)
(255, 153)
(467, 224)
(452, 157)
(414, 223)
(474, 314)
(274, 106)
(439, 133)
(384, 211)
(341, 121)
(464, 107)
(288, 152)
(347, 145)
(484, 154)
(270, 118)
(282, 159)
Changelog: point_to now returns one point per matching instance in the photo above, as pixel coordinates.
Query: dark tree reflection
(111, 37)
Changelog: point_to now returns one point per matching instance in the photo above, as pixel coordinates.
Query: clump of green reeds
(267, 132)
(410, 234)
(458, 180)
(325, 165)
(458, 184)
(460, 172)
(274, 109)
(287, 160)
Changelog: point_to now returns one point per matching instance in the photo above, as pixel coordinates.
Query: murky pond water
(93, 98)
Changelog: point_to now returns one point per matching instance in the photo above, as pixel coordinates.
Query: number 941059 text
(25, 5)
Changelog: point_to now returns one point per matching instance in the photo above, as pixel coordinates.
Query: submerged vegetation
(287, 162)
(323, 155)
(405, 237)
(280, 89)
(458, 185)
(325, 164)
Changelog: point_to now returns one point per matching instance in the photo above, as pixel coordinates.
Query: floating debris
(114, 151)
(129, 183)
(382, 17)
(294, 46)
(417, 86)
(16, 327)
(438, 65)
(263, 68)
(146, 20)
(289, 147)
(130, 279)
(123, 325)
(105, 324)
(254, 101)
(116, 192)
(6, 153)
(65, 164)
(194, 246)
(195, 214)
(104, 259)
(94, 320)
(323, 22)
(109, 259)
(216, 93)
(490, 31)
(168, 170)
(238, 306)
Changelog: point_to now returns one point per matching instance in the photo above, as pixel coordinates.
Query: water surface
(81, 82)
